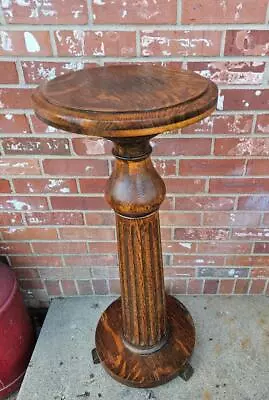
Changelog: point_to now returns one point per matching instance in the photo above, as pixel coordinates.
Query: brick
(165, 167)
(91, 146)
(10, 219)
(182, 147)
(224, 248)
(222, 124)
(78, 203)
(101, 218)
(25, 43)
(197, 260)
(74, 167)
(179, 286)
(8, 72)
(36, 146)
(100, 286)
(53, 288)
(19, 166)
(4, 186)
(84, 287)
(180, 43)
(195, 286)
(249, 261)
(79, 43)
(29, 233)
(53, 12)
(222, 272)
(133, 12)
(69, 287)
(16, 98)
(260, 273)
(23, 203)
(26, 273)
(40, 127)
(14, 248)
(201, 234)
(250, 233)
(91, 260)
(96, 185)
(236, 72)
(36, 261)
(170, 247)
(31, 285)
(240, 185)
(226, 286)
(181, 272)
(266, 219)
(12, 123)
(114, 286)
(54, 218)
(231, 219)
(180, 219)
(257, 286)
(60, 248)
(259, 203)
(45, 185)
(257, 167)
(103, 247)
(241, 286)
(179, 185)
(78, 233)
(247, 43)
(242, 147)
(37, 71)
(231, 12)
(261, 248)
(244, 99)
(204, 203)
(213, 167)
(262, 124)
(211, 286)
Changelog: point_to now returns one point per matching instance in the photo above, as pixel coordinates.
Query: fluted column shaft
(135, 191)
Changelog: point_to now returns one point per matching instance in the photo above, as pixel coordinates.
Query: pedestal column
(145, 338)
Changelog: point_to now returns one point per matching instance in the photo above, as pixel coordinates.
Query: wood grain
(145, 338)
(124, 100)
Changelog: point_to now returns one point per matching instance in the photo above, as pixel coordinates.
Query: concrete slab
(231, 359)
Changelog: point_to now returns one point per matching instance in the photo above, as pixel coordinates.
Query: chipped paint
(187, 245)
(6, 42)
(9, 116)
(19, 205)
(31, 44)
(99, 2)
(94, 146)
(220, 105)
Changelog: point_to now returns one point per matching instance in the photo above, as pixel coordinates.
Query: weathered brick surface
(56, 228)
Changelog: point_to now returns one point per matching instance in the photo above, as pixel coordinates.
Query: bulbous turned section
(135, 188)
(135, 191)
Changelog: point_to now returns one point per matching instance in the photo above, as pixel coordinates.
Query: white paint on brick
(46, 73)
(258, 93)
(220, 105)
(187, 245)
(100, 51)
(238, 11)
(99, 2)
(19, 205)
(32, 45)
(94, 147)
(9, 116)
(6, 42)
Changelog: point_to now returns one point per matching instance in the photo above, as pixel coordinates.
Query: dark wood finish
(152, 369)
(144, 338)
(122, 101)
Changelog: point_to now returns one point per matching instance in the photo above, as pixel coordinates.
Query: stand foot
(95, 357)
(187, 372)
(146, 370)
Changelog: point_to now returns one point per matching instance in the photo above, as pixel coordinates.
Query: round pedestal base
(145, 370)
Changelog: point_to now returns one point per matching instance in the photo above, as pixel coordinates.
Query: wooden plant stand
(145, 338)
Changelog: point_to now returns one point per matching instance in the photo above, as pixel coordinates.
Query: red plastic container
(16, 334)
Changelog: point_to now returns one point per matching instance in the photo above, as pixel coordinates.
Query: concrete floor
(231, 359)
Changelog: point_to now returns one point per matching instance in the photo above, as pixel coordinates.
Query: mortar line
(179, 13)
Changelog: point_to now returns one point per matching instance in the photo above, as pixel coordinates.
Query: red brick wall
(57, 230)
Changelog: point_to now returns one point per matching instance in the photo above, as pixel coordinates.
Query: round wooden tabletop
(125, 100)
